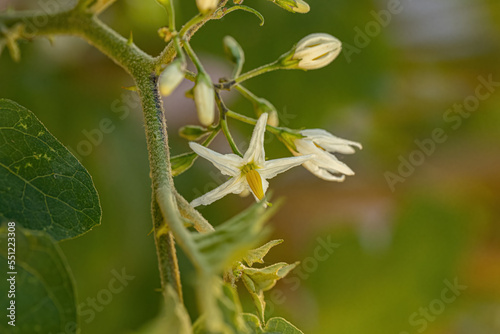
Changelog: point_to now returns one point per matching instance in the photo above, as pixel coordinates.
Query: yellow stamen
(255, 182)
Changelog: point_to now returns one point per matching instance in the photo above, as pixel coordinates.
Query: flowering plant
(52, 197)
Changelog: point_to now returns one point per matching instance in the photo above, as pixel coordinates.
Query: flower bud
(273, 119)
(205, 6)
(233, 50)
(316, 51)
(181, 163)
(294, 6)
(171, 77)
(204, 99)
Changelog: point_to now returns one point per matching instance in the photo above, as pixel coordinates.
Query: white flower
(248, 173)
(206, 5)
(325, 165)
(171, 77)
(204, 99)
(316, 51)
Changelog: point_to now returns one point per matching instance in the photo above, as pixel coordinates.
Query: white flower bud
(171, 77)
(205, 6)
(204, 99)
(316, 51)
(273, 119)
(294, 6)
(301, 7)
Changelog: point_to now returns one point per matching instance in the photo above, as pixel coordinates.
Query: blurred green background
(396, 247)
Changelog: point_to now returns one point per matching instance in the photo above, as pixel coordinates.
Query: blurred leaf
(274, 325)
(173, 316)
(45, 300)
(280, 325)
(219, 250)
(228, 305)
(265, 278)
(258, 280)
(233, 238)
(257, 255)
(42, 185)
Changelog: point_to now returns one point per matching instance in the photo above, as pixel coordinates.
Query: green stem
(223, 124)
(193, 215)
(245, 119)
(194, 58)
(255, 72)
(159, 161)
(169, 8)
(166, 253)
(88, 27)
(198, 19)
(186, 32)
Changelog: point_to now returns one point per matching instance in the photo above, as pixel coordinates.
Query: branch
(90, 28)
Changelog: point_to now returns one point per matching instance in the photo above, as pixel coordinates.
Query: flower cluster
(312, 148)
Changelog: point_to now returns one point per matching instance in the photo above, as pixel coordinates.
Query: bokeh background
(395, 244)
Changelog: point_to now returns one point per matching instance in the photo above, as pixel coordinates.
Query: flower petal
(228, 164)
(322, 158)
(255, 150)
(274, 167)
(234, 185)
(330, 142)
(322, 173)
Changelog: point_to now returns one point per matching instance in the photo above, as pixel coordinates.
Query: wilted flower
(204, 99)
(321, 144)
(248, 173)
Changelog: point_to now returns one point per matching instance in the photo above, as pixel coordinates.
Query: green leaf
(253, 323)
(257, 255)
(42, 185)
(44, 296)
(265, 278)
(258, 280)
